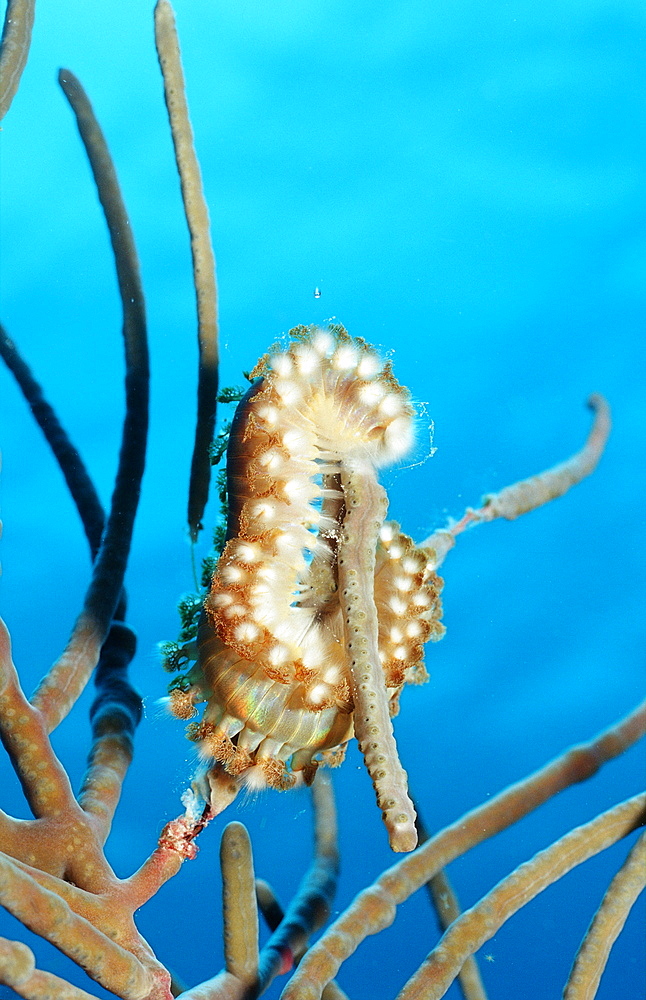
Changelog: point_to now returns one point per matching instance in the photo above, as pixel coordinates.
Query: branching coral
(54, 876)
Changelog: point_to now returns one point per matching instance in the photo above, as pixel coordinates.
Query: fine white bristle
(387, 533)
(289, 392)
(318, 694)
(247, 632)
(247, 553)
(270, 415)
(398, 437)
(278, 655)
(323, 343)
(372, 393)
(345, 358)
(369, 366)
(391, 405)
(232, 574)
(307, 360)
(398, 606)
(254, 779)
(282, 365)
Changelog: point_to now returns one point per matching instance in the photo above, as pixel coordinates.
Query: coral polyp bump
(318, 609)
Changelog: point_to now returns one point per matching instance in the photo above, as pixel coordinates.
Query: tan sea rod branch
(479, 923)
(47, 914)
(14, 49)
(366, 506)
(59, 690)
(529, 494)
(204, 277)
(447, 908)
(375, 908)
(239, 907)
(42, 776)
(18, 970)
(606, 925)
(116, 710)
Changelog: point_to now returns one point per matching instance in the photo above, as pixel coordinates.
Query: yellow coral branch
(101, 789)
(448, 909)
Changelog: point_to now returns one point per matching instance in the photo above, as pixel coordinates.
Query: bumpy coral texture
(272, 662)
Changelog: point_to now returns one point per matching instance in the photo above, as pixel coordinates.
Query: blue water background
(465, 184)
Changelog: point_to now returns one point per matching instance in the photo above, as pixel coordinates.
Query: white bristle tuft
(345, 358)
(282, 365)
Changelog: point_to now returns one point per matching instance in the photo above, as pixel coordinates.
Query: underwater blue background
(465, 185)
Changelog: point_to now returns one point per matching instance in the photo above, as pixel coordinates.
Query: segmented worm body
(318, 609)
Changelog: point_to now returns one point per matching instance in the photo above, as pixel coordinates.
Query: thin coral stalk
(528, 494)
(204, 280)
(115, 714)
(69, 460)
(375, 908)
(239, 908)
(448, 909)
(14, 49)
(366, 505)
(478, 924)
(606, 925)
(18, 970)
(68, 676)
(42, 776)
(311, 905)
(116, 710)
(268, 904)
(446, 905)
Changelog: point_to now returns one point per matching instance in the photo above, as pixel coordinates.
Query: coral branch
(224, 986)
(366, 509)
(58, 691)
(268, 904)
(69, 460)
(17, 962)
(375, 908)
(17, 969)
(311, 905)
(116, 710)
(477, 925)
(14, 49)
(447, 908)
(42, 776)
(528, 494)
(239, 908)
(606, 925)
(115, 714)
(47, 914)
(197, 217)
